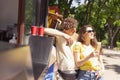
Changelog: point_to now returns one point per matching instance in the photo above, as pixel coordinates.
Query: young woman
(87, 55)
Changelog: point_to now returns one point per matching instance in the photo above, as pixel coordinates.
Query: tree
(65, 6)
(112, 10)
(99, 13)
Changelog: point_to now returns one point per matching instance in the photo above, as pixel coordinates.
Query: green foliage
(53, 2)
(117, 23)
(64, 6)
(29, 14)
(105, 40)
(98, 13)
(118, 44)
(104, 43)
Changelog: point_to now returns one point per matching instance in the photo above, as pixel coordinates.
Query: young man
(64, 53)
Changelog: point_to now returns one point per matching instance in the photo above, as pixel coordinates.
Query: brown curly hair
(69, 23)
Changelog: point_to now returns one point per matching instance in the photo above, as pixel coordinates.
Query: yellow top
(92, 63)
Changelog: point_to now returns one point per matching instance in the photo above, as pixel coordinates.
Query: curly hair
(69, 23)
(81, 37)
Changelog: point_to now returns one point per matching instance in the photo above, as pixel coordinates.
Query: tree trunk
(111, 43)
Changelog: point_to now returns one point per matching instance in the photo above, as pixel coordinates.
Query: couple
(80, 53)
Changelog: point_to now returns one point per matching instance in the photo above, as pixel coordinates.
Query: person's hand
(94, 54)
(99, 74)
(68, 39)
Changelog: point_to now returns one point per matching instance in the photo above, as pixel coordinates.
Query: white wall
(8, 13)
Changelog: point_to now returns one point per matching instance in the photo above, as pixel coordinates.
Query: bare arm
(99, 48)
(54, 32)
(79, 62)
(77, 53)
(101, 71)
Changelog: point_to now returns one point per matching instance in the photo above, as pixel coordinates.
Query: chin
(71, 34)
(92, 37)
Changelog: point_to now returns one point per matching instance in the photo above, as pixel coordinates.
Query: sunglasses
(89, 31)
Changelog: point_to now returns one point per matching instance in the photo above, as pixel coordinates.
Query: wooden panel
(16, 64)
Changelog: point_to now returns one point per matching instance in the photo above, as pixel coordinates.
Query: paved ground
(112, 64)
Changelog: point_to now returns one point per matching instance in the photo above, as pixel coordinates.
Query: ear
(64, 30)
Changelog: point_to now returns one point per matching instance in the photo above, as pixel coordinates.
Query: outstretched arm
(54, 32)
